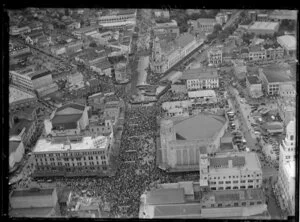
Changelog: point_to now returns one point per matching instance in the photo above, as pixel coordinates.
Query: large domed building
(181, 139)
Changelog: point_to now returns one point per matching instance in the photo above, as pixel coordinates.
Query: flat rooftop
(278, 73)
(86, 143)
(199, 73)
(240, 160)
(165, 196)
(192, 128)
(264, 26)
(235, 195)
(32, 192)
(16, 94)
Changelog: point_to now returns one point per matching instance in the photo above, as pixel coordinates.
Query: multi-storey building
(221, 18)
(287, 169)
(31, 79)
(288, 42)
(70, 119)
(118, 18)
(274, 53)
(72, 156)
(254, 86)
(203, 25)
(227, 171)
(257, 53)
(20, 98)
(166, 54)
(200, 79)
(166, 28)
(181, 137)
(215, 56)
(16, 152)
(274, 76)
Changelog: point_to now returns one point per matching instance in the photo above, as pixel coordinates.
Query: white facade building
(240, 170)
(287, 167)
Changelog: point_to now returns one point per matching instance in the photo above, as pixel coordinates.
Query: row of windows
(235, 204)
(72, 164)
(235, 181)
(77, 158)
(243, 176)
(69, 169)
(69, 154)
(234, 187)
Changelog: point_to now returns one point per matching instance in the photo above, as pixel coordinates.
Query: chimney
(229, 163)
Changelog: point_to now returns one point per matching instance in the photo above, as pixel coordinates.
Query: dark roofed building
(253, 80)
(166, 196)
(66, 121)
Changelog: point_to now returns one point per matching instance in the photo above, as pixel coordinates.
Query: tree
(217, 28)
(93, 44)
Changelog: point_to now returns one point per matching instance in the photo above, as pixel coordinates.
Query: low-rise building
(96, 101)
(254, 86)
(273, 76)
(229, 171)
(264, 28)
(234, 204)
(288, 42)
(257, 53)
(203, 25)
(158, 13)
(200, 79)
(221, 18)
(17, 50)
(35, 202)
(121, 17)
(215, 56)
(166, 28)
(274, 53)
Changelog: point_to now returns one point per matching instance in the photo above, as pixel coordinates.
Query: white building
(200, 79)
(288, 42)
(227, 171)
(214, 56)
(31, 79)
(16, 151)
(166, 53)
(263, 28)
(181, 137)
(72, 155)
(118, 18)
(286, 177)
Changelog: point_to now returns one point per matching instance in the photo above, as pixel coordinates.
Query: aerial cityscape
(152, 113)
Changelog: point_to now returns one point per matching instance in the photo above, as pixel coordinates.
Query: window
(242, 187)
(228, 182)
(221, 182)
(104, 168)
(219, 205)
(257, 181)
(250, 181)
(213, 188)
(235, 181)
(228, 188)
(212, 205)
(251, 203)
(250, 186)
(259, 202)
(244, 203)
(243, 181)
(221, 188)
(292, 137)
